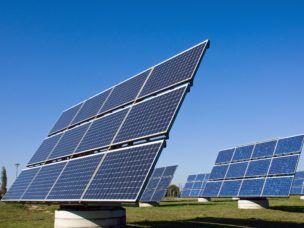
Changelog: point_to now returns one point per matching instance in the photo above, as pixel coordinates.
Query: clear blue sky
(249, 87)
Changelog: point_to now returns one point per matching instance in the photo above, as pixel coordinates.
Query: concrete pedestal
(85, 217)
(235, 198)
(257, 203)
(204, 200)
(150, 204)
(302, 197)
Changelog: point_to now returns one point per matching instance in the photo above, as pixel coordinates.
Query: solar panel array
(105, 148)
(262, 169)
(158, 184)
(298, 184)
(195, 185)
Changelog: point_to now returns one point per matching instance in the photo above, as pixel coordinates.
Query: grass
(218, 213)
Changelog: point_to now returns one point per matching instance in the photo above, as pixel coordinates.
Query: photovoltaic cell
(191, 178)
(230, 188)
(152, 117)
(69, 141)
(218, 172)
(195, 185)
(258, 168)
(290, 145)
(265, 149)
(174, 71)
(74, 178)
(277, 186)
(122, 173)
(91, 107)
(43, 182)
(102, 131)
(125, 92)
(224, 156)
(243, 153)
(65, 119)
(237, 170)
(212, 188)
(252, 187)
(20, 185)
(284, 165)
(45, 149)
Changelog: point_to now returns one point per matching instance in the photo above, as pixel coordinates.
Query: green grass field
(218, 213)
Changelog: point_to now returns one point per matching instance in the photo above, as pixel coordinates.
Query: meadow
(218, 213)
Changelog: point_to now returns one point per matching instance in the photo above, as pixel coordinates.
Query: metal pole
(17, 167)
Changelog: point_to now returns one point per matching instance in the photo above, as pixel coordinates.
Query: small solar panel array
(195, 185)
(105, 148)
(158, 184)
(298, 184)
(262, 169)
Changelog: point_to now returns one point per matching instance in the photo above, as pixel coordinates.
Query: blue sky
(249, 87)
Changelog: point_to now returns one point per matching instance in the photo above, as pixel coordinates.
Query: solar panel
(255, 169)
(125, 92)
(91, 107)
(65, 119)
(152, 117)
(105, 148)
(298, 184)
(158, 184)
(176, 70)
(195, 185)
(45, 149)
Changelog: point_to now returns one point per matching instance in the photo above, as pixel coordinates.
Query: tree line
(3, 188)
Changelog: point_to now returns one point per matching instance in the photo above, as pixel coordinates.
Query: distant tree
(173, 191)
(3, 182)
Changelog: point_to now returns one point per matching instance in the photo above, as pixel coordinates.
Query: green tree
(173, 191)
(3, 182)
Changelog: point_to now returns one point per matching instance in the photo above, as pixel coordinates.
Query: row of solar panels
(176, 70)
(237, 173)
(152, 117)
(118, 175)
(298, 184)
(195, 185)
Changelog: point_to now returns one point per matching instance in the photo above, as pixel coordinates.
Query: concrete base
(302, 197)
(235, 198)
(204, 200)
(151, 204)
(259, 203)
(85, 217)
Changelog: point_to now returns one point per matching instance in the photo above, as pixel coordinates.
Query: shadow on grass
(296, 209)
(215, 222)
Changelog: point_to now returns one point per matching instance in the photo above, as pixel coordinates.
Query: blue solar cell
(125, 92)
(258, 168)
(158, 172)
(152, 117)
(158, 195)
(265, 149)
(45, 149)
(122, 173)
(91, 107)
(298, 182)
(230, 188)
(102, 131)
(296, 191)
(164, 183)
(224, 156)
(191, 178)
(74, 178)
(189, 185)
(212, 188)
(207, 176)
(284, 165)
(21, 184)
(236, 170)
(174, 71)
(200, 177)
(169, 171)
(65, 119)
(243, 153)
(290, 145)
(194, 193)
(153, 182)
(43, 182)
(197, 185)
(69, 141)
(147, 195)
(186, 193)
(252, 187)
(277, 186)
(218, 172)
(299, 174)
